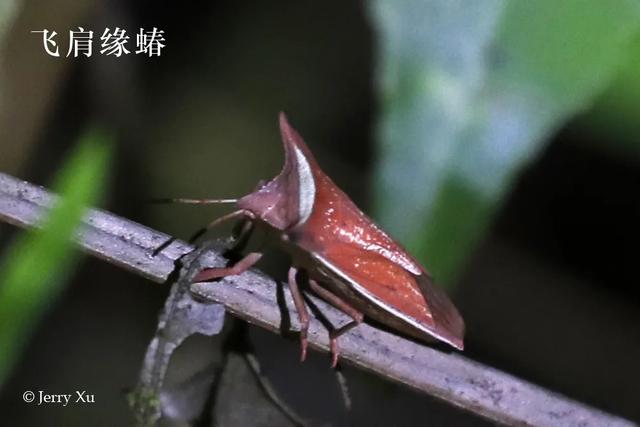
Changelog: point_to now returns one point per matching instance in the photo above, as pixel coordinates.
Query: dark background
(549, 295)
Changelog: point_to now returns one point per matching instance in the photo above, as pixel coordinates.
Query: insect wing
(396, 291)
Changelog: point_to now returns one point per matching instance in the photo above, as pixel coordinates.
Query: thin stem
(465, 383)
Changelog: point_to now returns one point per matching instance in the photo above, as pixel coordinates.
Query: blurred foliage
(7, 13)
(32, 272)
(616, 114)
(469, 93)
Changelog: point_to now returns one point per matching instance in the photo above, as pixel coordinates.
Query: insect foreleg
(235, 214)
(238, 268)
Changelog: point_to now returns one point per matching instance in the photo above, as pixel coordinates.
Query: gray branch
(256, 298)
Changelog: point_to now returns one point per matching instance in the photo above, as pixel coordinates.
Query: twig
(181, 317)
(254, 297)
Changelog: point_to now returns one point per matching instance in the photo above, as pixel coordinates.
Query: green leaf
(614, 121)
(470, 91)
(32, 272)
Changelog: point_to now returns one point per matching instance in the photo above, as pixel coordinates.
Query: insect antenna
(203, 230)
(233, 215)
(195, 201)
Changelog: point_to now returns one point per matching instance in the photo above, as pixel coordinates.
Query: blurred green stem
(33, 270)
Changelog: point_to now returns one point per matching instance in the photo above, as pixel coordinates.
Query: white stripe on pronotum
(307, 190)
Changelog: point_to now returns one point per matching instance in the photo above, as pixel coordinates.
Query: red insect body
(345, 252)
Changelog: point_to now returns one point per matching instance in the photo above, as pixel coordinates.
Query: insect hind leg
(343, 306)
(333, 340)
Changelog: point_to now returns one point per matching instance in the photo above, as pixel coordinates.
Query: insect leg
(241, 233)
(220, 220)
(335, 301)
(303, 314)
(238, 268)
(342, 305)
(333, 340)
(203, 230)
